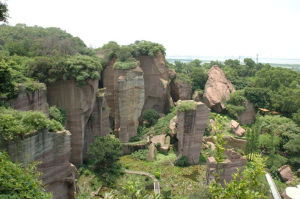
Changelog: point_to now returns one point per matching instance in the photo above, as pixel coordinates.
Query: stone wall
(190, 129)
(36, 101)
(226, 168)
(78, 101)
(53, 149)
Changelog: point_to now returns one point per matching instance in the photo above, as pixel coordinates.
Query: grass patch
(188, 105)
(125, 65)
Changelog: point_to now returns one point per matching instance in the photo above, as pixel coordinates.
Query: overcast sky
(270, 28)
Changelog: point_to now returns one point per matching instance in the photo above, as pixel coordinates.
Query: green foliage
(57, 114)
(78, 67)
(244, 185)
(182, 162)
(125, 65)
(218, 139)
(37, 41)
(157, 174)
(252, 136)
(150, 116)
(184, 106)
(7, 85)
(106, 153)
(20, 181)
(16, 124)
(199, 77)
(236, 104)
(296, 117)
(140, 154)
(202, 158)
(181, 77)
(3, 12)
(147, 48)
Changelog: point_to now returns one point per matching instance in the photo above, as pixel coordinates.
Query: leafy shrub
(147, 48)
(236, 104)
(162, 125)
(135, 138)
(157, 174)
(183, 162)
(150, 116)
(125, 65)
(184, 106)
(181, 77)
(202, 158)
(140, 154)
(19, 181)
(57, 114)
(55, 126)
(105, 153)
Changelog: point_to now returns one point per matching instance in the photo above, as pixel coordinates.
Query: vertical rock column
(191, 125)
(129, 101)
(78, 101)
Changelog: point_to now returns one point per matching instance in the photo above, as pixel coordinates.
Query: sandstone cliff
(156, 76)
(191, 125)
(98, 123)
(53, 149)
(217, 89)
(180, 90)
(78, 103)
(247, 116)
(36, 101)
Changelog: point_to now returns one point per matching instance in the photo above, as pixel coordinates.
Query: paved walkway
(156, 185)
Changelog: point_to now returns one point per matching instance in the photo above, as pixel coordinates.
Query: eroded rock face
(53, 149)
(236, 128)
(197, 96)
(217, 89)
(109, 83)
(78, 101)
(180, 90)
(226, 168)
(248, 116)
(129, 101)
(286, 173)
(98, 123)
(36, 101)
(164, 142)
(173, 126)
(190, 129)
(156, 76)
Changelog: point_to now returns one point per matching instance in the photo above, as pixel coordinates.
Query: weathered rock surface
(130, 97)
(151, 152)
(247, 116)
(197, 96)
(156, 76)
(180, 90)
(36, 101)
(190, 129)
(164, 142)
(173, 126)
(79, 104)
(217, 89)
(98, 123)
(236, 128)
(286, 173)
(53, 149)
(226, 168)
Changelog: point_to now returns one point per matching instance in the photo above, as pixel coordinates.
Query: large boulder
(286, 173)
(247, 116)
(191, 125)
(217, 89)
(156, 76)
(236, 128)
(53, 150)
(163, 141)
(31, 100)
(180, 90)
(78, 101)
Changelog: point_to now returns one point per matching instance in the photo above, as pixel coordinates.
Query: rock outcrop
(197, 96)
(191, 125)
(173, 126)
(286, 173)
(180, 90)
(126, 96)
(78, 101)
(156, 76)
(53, 149)
(236, 128)
(247, 116)
(163, 141)
(217, 89)
(26, 100)
(98, 123)
(226, 168)
(151, 152)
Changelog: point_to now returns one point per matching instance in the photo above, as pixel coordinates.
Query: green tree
(150, 116)
(20, 181)
(105, 153)
(3, 12)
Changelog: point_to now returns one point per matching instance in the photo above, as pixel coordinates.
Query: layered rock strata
(217, 89)
(78, 101)
(180, 90)
(156, 76)
(226, 168)
(191, 125)
(27, 100)
(53, 150)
